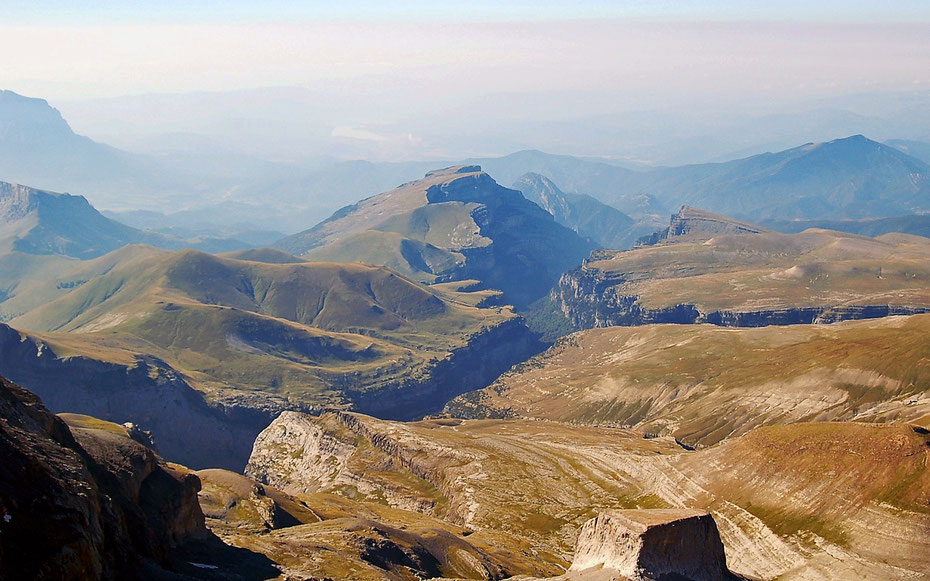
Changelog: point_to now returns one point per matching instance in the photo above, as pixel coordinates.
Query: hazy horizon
(288, 81)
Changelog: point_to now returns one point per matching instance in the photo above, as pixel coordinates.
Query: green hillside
(454, 224)
(318, 333)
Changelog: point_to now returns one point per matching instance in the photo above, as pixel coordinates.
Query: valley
(455, 379)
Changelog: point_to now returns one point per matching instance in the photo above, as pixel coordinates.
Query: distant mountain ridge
(849, 178)
(605, 225)
(36, 221)
(40, 222)
(453, 224)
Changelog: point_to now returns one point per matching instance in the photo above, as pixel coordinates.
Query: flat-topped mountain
(731, 273)
(454, 224)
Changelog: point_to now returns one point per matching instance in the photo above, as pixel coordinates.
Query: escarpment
(147, 392)
(737, 276)
(93, 505)
(591, 299)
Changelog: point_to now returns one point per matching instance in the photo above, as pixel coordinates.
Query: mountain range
(371, 398)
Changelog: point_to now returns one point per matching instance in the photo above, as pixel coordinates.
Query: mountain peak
(23, 118)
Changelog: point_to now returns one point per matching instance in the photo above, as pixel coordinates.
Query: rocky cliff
(653, 544)
(694, 223)
(93, 505)
(737, 280)
(146, 392)
(590, 298)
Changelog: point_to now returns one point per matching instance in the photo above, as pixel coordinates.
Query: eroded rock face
(99, 506)
(653, 544)
(149, 394)
(296, 454)
(699, 224)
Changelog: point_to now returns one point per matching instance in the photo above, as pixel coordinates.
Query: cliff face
(147, 393)
(696, 224)
(653, 544)
(591, 298)
(94, 506)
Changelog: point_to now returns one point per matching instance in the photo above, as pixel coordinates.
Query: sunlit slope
(328, 536)
(454, 224)
(750, 280)
(28, 281)
(308, 331)
(703, 383)
(823, 500)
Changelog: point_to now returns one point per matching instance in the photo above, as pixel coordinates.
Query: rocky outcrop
(94, 506)
(300, 454)
(147, 393)
(653, 544)
(697, 224)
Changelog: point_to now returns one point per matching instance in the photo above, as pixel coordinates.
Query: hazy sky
(71, 50)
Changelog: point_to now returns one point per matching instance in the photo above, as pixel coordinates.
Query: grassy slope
(300, 329)
(705, 383)
(772, 271)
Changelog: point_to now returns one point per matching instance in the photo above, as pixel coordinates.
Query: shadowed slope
(454, 224)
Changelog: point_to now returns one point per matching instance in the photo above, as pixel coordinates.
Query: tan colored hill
(806, 501)
(454, 224)
(751, 280)
(330, 536)
(704, 383)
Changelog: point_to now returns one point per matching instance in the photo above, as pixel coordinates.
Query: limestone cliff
(653, 544)
(697, 224)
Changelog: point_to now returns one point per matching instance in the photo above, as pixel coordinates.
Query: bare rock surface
(93, 505)
(653, 544)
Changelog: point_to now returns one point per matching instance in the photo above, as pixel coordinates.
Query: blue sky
(204, 11)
